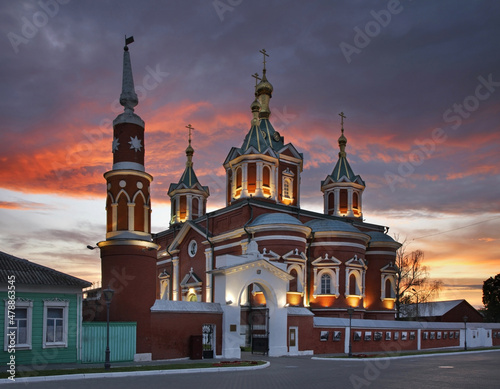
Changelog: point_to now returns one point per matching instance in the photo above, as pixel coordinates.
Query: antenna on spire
(190, 128)
(342, 116)
(257, 78)
(128, 41)
(263, 51)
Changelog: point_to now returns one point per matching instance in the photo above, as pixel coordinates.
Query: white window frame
(55, 303)
(326, 276)
(334, 282)
(25, 304)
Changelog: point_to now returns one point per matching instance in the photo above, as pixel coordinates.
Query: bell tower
(264, 166)
(128, 256)
(343, 190)
(188, 198)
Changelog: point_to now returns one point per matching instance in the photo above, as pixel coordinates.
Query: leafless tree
(413, 284)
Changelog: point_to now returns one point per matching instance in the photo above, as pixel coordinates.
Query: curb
(402, 356)
(66, 377)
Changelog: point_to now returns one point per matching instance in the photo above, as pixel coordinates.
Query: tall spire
(264, 91)
(128, 97)
(342, 138)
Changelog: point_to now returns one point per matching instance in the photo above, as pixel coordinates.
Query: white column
(189, 206)
(360, 206)
(244, 180)
(336, 196)
(349, 202)
(258, 184)
(175, 282)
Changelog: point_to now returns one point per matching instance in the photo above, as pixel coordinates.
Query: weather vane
(263, 51)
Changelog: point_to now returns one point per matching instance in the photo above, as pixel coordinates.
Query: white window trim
(334, 282)
(55, 303)
(20, 303)
(384, 278)
(359, 275)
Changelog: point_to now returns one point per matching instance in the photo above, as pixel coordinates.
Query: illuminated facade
(260, 259)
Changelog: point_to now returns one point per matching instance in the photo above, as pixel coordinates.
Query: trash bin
(196, 347)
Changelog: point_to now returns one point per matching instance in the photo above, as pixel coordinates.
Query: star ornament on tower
(115, 144)
(135, 144)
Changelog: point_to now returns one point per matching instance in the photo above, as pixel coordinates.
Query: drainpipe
(308, 273)
(249, 220)
(212, 251)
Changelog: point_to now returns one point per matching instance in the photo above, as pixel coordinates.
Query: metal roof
(377, 236)
(29, 273)
(275, 218)
(331, 225)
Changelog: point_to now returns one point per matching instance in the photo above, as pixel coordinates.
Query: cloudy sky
(419, 83)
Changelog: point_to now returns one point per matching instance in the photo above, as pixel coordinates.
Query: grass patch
(200, 365)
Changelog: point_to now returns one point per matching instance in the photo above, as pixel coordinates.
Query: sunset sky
(419, 83)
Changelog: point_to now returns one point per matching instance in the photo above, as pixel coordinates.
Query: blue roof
(377, 236)
(275, 218)
(331, 225)
(343, 169)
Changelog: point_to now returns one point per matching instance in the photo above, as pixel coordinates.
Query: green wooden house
(42, 318)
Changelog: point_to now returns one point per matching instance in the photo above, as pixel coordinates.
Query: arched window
(343, 201)
(195, 206)
(293, 283)
(238, 177)
(389, 291)
(164, 289)
(252, 178)
(287, 190)
(355, 202)
(331, 203)
(266, 177)
(326, 283)
(353, 285)
(122, 213)
(182, 206)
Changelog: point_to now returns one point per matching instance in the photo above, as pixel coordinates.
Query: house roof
(29, 273)
(436, 308)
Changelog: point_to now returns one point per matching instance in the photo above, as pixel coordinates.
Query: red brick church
(254, 272)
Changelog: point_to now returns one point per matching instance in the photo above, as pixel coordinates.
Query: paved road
(478, 370)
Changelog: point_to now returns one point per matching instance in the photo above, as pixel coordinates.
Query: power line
(455, 229)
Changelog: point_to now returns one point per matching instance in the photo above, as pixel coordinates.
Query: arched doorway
(269, 282)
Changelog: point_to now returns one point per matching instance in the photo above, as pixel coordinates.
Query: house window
(19, 321)
(326, 283)
(55, 324)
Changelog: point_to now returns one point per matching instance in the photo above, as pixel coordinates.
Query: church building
(250, 274)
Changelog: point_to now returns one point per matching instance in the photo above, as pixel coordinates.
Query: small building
(42, 318)
(442, 311)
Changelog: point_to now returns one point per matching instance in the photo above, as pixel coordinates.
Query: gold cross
(342, 120)
(263, 51)
(257, 78)
(190, 128)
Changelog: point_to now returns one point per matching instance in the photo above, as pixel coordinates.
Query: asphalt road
(474, 370)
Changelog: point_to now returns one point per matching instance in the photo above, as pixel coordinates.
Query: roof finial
(264, 90)
(255, 106)
(128, 97)
(263, 51)
(189, 149)
(342, 138)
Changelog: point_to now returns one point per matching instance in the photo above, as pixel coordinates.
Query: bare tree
(412, 278)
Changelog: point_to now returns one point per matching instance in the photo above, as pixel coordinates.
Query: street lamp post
(108, 295)
(350, 311)
(465, 338)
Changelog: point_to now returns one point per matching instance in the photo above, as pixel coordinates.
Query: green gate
(122, 341)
